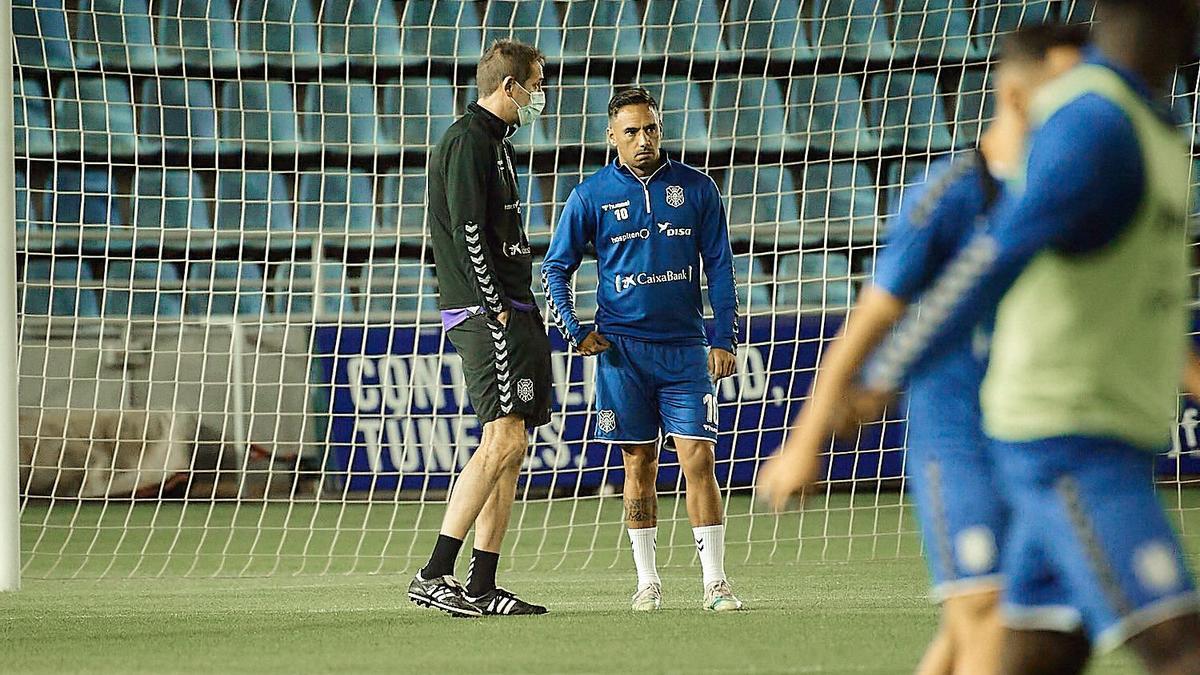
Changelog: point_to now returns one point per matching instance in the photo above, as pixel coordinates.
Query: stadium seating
(901, 175)
(1183, 106)
(283, 33)
(827, 114)
(294, 288)
(839, 202)
(768, 29)
(114, 35)
(973, 107)
(602, 29)
(684, 111)
(53, 287)
(908, 110)
(33, 131)
(224, 288)
(813, 280)
(578, 115)
(258, 117)
(179, 115)
(83, 198)
(95, 115)
(198, 34)
(417, 111)
(762, 204)
(448, 30)
(337, 201)
(748, 114)
(689, 29)
(40, 34)
(533, 206)
(392, 288)
(360, 31)
(754, 285)
(851, 30)
(342, 116)
(403, 203)
(254, 201)
(533, 22)
(174, 199)
(935, 29)
(142, 288)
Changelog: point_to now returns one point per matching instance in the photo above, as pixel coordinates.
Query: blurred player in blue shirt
(950, 476)
(655, 225)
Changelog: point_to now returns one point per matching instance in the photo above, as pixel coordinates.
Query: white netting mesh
(221, 210)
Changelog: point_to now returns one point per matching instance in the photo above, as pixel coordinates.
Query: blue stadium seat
(908, 110)
(753, 284)
(294, 288)
(577, 115)
(762, 204)
(342, 116)
(360, 31)
(748, 114)
(839, 202)
(96, 117)
(224, 289)
(973, 107)
(258, 117)
(602, 28)
(769, 29)
(254, 201)
(688, 29)
(901, 175)
(565, 180)
(854, 30)
(534, 206)
(1071, 12)
(23, 214)
(178, 114)
(935, 29)
(396, 287)
(336, 202)
(402, 208)
(997, 17)
(827, 114)
(684, 109)
(586, 282)
(534, 22)
(83, 200)
(33, 131)
(813, 280)
(142, 288)
(417, 110)
(169, 199)
(40, 31)
(54, 287)
(280, 32)
(115, 34)
(199, 34)
(443, 30)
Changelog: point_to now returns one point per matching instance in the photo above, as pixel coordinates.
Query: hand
(791, 471)
(502, 317)
(721, 363)
(867, 405)
(593, 344)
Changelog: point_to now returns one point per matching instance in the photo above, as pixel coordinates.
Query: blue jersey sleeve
(1083, 184)
(927, 228)
(717, 257)
(575, 231)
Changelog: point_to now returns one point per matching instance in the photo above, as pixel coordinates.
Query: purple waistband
(454, 317)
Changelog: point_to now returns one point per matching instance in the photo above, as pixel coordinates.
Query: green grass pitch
(863, 609)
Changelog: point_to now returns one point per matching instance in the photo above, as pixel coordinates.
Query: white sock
(710, 542)
(644, 545)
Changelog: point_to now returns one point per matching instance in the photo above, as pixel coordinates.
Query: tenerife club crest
(674, 196)
(607, 421)
(525, 389)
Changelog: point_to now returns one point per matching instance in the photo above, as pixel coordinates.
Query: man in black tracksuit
(484, 271)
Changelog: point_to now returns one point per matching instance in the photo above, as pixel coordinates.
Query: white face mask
(526, 114)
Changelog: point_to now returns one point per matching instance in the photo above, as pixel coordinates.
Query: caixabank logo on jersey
(624, 282)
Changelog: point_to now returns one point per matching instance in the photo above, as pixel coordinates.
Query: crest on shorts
(607, 421)
(525, 389)
(674, 196)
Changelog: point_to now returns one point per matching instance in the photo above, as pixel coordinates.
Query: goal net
(230, 357)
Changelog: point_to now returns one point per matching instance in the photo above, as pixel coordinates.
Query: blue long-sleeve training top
(652, 237)
(1084, 181)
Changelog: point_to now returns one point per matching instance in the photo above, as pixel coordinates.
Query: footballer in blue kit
(948, 466)
(656, 225)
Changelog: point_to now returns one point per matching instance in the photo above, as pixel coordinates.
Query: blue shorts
(1087, 521)
(644, 388)
(963, 517)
